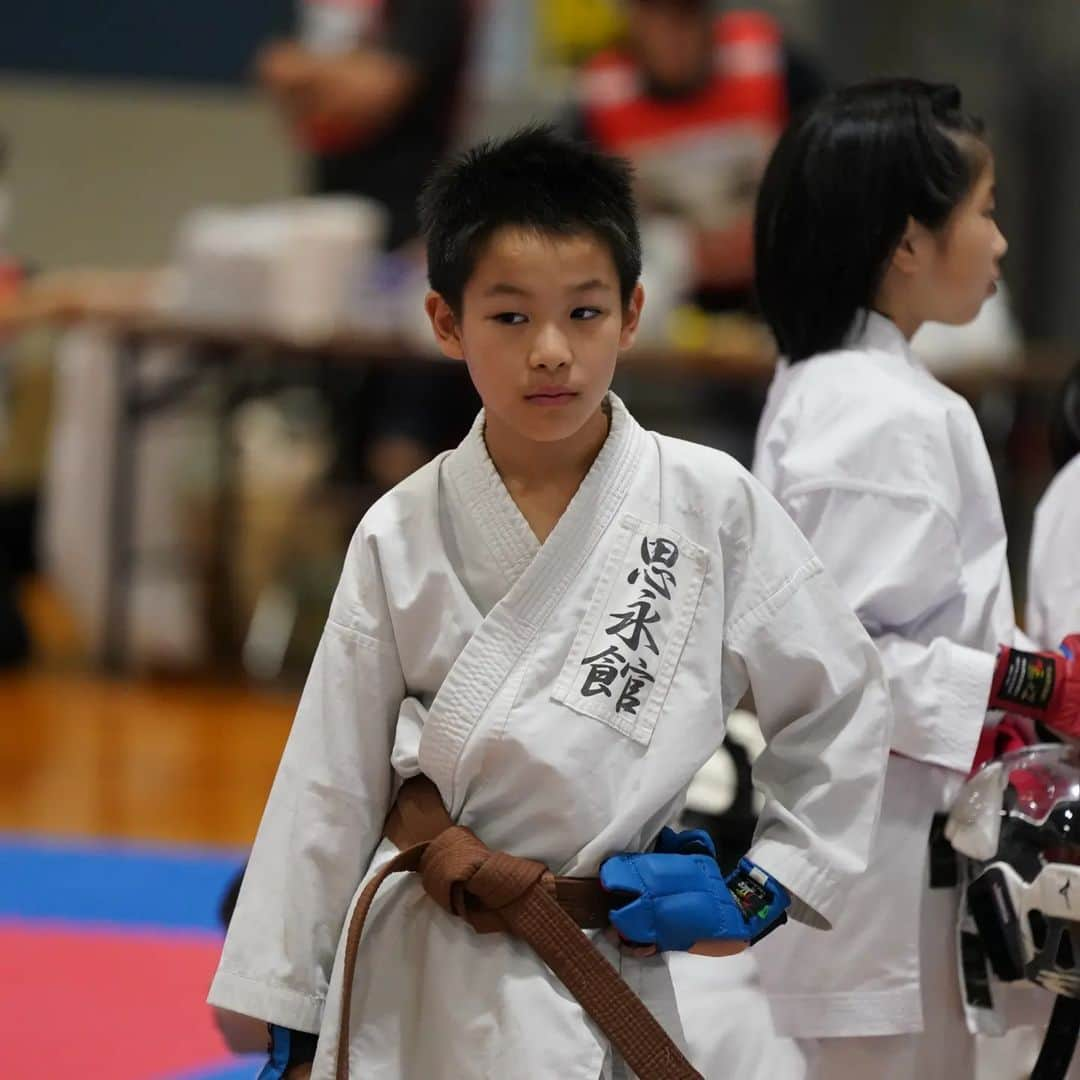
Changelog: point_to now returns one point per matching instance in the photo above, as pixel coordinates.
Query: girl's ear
(445, 325)
(909, 254)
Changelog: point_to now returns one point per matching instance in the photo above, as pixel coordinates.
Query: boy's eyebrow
(504, 288)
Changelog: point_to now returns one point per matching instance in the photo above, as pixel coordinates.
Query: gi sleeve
(897, 559)
(325, 813)
(824, 712)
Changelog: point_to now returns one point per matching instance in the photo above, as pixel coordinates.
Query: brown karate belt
(497, 892)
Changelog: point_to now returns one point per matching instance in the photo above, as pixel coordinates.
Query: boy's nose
(550, 349)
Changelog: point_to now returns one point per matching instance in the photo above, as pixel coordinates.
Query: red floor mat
(105, 1004)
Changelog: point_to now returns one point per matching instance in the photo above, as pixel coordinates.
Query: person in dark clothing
(373, 91)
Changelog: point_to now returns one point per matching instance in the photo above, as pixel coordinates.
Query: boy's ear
(444, 323)
(631, 316)
(907, 258)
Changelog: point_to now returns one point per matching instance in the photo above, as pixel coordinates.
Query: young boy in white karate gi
(551, 623)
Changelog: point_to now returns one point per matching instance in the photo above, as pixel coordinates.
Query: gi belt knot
(466, 878)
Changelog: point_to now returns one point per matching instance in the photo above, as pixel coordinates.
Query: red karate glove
(1044, 686)
(1012, 733)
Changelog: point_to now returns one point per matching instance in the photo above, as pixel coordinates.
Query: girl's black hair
(837, 194)
(533, 179)
(1065, 422)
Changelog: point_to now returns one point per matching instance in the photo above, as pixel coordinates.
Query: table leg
(121, 510)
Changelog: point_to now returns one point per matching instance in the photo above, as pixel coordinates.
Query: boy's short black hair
(533, 179)
(836, 198)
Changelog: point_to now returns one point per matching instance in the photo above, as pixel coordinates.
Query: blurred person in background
(695, 97)
(373, 91)
(696, 100)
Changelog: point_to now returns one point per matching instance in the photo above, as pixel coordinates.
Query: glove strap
(762, 901)
(1024, 682)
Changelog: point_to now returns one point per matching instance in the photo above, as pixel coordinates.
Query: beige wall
(101, 172)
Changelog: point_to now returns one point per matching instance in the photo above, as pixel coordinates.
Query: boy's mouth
(551, 395)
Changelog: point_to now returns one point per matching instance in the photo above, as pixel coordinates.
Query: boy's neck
(542, 478)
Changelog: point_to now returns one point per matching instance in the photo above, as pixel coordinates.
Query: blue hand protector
(687, 842)
(287, 1048)
(674, 901)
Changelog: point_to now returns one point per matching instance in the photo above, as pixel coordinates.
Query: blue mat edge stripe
(106, 882)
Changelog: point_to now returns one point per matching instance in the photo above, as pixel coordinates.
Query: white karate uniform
(887, 474)
(561, 696)
(1053, 603)
(1053, 611)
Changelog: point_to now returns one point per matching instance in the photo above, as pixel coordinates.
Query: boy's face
(541, 327)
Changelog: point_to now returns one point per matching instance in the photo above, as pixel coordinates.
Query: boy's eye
(585, 313)
(509, 318)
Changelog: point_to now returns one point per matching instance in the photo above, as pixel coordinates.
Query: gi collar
(870, 330)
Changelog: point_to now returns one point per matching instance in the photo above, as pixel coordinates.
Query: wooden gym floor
(85, 755)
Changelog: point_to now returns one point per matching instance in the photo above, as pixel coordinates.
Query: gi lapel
(505, 634)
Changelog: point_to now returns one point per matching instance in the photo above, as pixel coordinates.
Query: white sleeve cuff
(274, 1004)
(948, 733)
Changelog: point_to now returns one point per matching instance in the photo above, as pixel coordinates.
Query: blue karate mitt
(675, 900)
(687, 842)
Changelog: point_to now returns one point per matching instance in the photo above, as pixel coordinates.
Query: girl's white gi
(887, 474)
